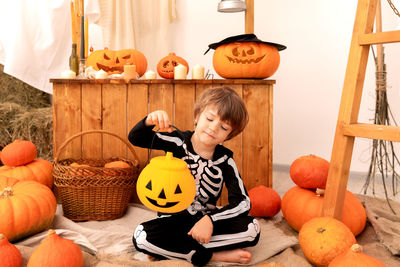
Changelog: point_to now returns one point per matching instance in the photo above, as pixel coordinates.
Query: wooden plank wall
(81, 105)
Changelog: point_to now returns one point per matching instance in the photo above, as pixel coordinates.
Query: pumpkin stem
(321, 230)
(50, 232)
(7, 192)
(320, 192)
(356, 248)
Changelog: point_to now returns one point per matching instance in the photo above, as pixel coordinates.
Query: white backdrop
(310, 77)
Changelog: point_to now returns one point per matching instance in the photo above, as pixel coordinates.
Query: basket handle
(96, 131)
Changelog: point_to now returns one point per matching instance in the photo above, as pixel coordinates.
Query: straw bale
(8, 111)
(16, 91)
(25, 113)
(36, 125)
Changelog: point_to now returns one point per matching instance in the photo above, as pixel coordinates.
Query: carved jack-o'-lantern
(166, 184)
(246, 60)
(113, 61)
(166, 65)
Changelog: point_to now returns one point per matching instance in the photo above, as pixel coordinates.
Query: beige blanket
(99, 238)
(108, 243)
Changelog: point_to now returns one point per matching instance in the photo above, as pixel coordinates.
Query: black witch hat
(243, 38)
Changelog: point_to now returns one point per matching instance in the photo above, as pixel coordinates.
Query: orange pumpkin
(9, 254)
(56, 251)
(76, 164)
(117, 164)
(166, 65)
(265, 201)
(299, 205)
(26, 208)
(246, 60)
(355, 257)
(309, 171)
(39, 170)
(322, 239)
(18, 153)
(113, 61)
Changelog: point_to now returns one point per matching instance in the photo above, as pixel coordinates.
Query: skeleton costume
(166, 237)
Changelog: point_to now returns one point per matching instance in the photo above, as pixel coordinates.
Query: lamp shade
(229, 6)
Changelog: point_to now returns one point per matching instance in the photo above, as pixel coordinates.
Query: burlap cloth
(386, 224)
(108, 243)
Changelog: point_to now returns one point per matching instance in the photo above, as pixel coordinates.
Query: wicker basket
(93, 192)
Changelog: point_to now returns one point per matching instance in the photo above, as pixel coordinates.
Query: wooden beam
(348, 112)
(249, 17)
(372, 131)
(379, 38)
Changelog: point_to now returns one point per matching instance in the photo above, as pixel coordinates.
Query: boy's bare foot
(236, 255)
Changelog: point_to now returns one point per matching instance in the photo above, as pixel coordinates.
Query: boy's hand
(159, 118)
(202, 230)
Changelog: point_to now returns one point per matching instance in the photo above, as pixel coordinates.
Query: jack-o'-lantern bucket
(246, 56)
(166, 184)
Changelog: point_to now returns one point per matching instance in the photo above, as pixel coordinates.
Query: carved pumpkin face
(113, 61)
(246, 60)
(166, 185)
(166, 65)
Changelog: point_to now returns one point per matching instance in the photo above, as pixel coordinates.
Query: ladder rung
(373, 131)
(379, 38)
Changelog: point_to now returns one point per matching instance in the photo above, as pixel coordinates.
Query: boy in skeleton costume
(202, 232)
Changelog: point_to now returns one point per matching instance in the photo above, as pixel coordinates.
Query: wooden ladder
(347, 127)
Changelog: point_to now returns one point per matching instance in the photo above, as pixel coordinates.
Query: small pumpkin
(166, 65)
(299, 205)
(166, 184)
(113, 61)
(117, 164)
(39, 170)
(265, 201)
(55, 251)
(322, 239)
(355, 257)
(26, 208)
(19, 152)
(10, 256)
(76, 164)
(309, 171)
(246, 60)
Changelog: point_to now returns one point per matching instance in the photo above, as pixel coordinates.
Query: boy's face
(210, 128)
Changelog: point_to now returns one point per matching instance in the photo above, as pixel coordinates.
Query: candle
(129, 72)
(180, 72)
(68, 74)
(150, 75)
(198, 72)
(101, 74)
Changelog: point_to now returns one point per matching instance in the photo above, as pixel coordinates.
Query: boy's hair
(231, 107)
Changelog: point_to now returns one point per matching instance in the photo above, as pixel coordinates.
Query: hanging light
(231, 6)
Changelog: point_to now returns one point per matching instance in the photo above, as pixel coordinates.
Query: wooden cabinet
(116, 106)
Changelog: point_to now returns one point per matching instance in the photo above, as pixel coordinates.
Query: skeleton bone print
(208, 178)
